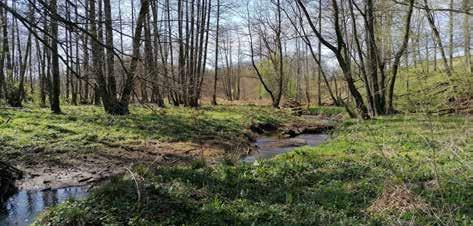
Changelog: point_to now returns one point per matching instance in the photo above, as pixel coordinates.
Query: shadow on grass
(276, 193)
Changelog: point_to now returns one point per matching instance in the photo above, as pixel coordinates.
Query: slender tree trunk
(451, 21)
(281, 57)
(100, 89)
(253, 63)
(112, 87)
(157, 90)
(4, 52)
(467, 37)
(427, 53)
(55, 106)
(85, 50)
(214, 96)
(128, 84)
(373, 61)
(319, 52)
(437, 38)
(78, 85)
(174, 92)
(17, 102)
(41, 56)
(150, 68)
(68, 58)
(342, 55)
(397, 57)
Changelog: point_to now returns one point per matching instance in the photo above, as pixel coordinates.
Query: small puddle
(22, 208)
(270, 146)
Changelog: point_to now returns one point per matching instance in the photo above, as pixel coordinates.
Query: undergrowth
(393, 170)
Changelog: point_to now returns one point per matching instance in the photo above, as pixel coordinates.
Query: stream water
(22, 208)
(270, 146)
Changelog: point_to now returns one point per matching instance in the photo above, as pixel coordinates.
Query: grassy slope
(419, 89)
(390, 170)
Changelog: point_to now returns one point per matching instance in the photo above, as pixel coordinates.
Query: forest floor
(84, 145)
(405, 169)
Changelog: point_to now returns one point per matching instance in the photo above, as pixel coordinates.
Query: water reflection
(270, 146)
(23, 207)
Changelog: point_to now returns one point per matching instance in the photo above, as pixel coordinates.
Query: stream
(270, 146)
(22, 208)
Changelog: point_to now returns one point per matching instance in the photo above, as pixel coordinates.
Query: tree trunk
(342, 55)
(4, 26)
(397, 58)
(450, 33)
(55, 106)
(467, 37)
(122, 106)
(214, 96)
(319, 52)
(112, 87)
(437, 38)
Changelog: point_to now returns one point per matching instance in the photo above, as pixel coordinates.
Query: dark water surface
(22, 208)
(270, 146)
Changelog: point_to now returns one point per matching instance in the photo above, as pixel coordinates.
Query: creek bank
(270, 146)
(292, 130)
(270, 139)
(88, 168)
(52, 169)
(296, 130)
(8, 176)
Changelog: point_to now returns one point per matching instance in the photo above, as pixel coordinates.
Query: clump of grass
(398, 199)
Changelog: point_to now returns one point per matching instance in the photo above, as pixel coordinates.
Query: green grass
(82, 130)
(390, 170)
(332, 184)
(327, 111)
(422, 89)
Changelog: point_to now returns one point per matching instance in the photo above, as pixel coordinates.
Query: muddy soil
(45, 169)
(67, 170)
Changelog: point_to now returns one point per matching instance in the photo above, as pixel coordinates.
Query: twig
(138, 192)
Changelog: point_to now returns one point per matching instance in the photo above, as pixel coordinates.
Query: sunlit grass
(336, 183)
(84, 128)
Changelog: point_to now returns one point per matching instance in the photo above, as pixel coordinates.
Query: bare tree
(341, 52)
